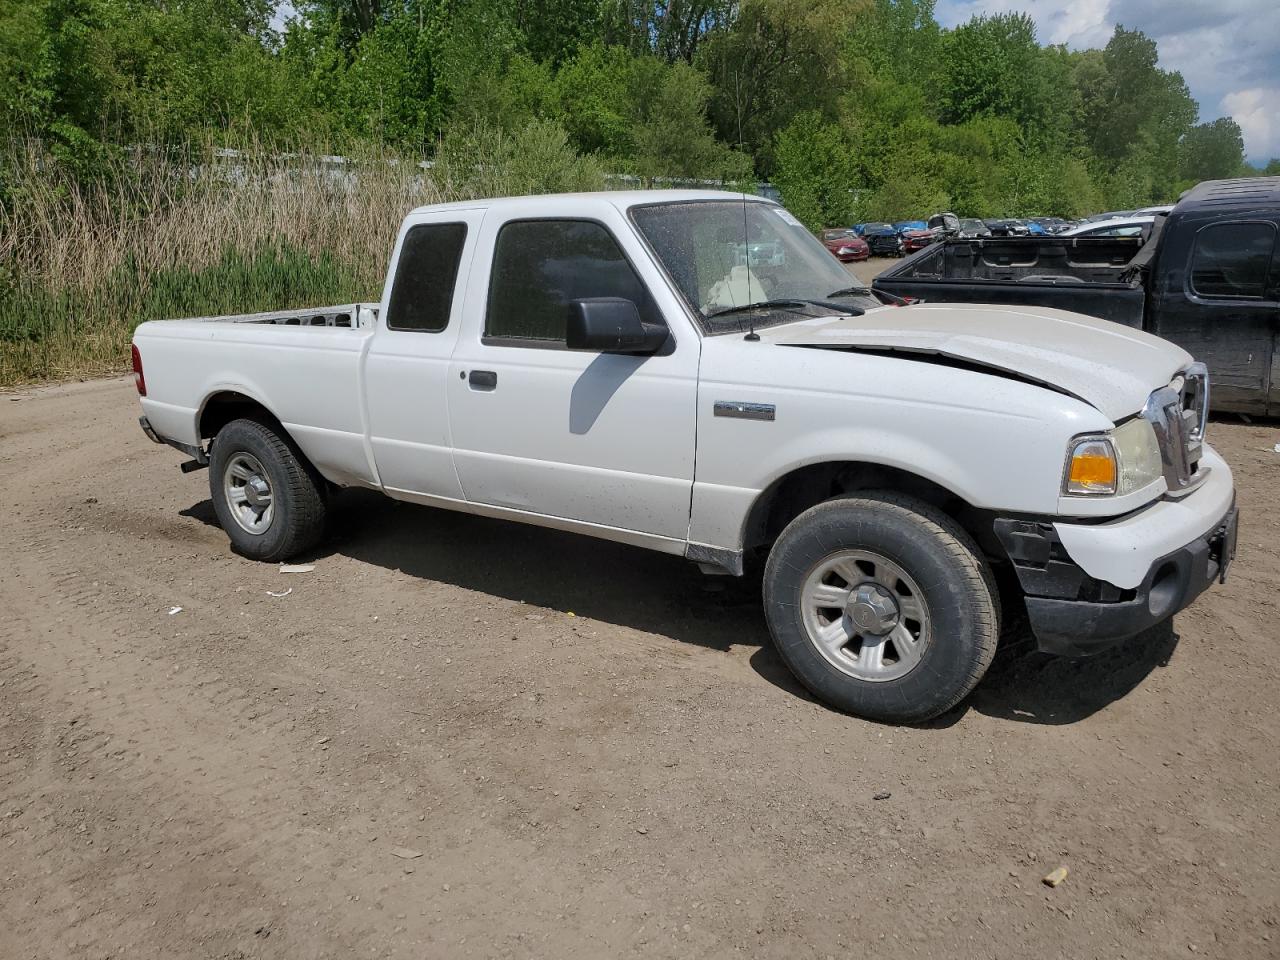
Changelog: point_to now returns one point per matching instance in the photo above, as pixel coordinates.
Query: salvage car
(913, 239)
(845, 245)
(608, 364)
(1052, 224)
(1006, 228)
(1207, 278)
(883, 240)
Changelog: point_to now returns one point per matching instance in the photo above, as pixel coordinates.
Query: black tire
(297, 492)
(957, 585)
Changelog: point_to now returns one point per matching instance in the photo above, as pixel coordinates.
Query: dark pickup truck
(1206, 276)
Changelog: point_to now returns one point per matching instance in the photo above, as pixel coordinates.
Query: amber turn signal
(1092, 469)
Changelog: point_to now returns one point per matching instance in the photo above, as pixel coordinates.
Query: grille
(1178, 413)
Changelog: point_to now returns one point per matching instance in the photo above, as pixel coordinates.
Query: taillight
(139, 380)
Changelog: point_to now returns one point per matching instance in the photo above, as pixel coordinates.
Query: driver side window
(540, 266)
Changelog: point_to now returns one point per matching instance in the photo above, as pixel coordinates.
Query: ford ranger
(624, 365)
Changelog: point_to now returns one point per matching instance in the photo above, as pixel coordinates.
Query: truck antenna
(746, 251)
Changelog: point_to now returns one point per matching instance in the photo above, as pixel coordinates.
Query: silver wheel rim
(865, 615)
(247, 490)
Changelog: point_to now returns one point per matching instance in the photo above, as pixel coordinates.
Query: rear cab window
(426, 273)
(541, 266)
(1233, 260)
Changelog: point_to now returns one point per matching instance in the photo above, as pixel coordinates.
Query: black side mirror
(611, 325)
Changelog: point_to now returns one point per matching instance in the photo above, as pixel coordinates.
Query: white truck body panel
(1109, 366)
(308, 377)
(896, 412)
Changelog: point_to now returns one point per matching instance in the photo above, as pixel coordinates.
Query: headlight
(1120, 462)
(1139, 452)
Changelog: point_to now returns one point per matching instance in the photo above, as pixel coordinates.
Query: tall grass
(200, 231)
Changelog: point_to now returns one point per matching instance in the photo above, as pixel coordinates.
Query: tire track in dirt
(221, 727)
(164, 790)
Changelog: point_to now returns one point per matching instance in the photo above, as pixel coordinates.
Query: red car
(913, 240)
(845, 245)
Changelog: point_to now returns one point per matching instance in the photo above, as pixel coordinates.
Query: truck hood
(1109, 366)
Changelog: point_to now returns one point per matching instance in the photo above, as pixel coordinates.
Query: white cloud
(1257, 110)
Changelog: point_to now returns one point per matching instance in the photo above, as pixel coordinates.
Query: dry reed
(200, 231)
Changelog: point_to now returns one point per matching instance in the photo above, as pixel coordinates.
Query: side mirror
(611, 325)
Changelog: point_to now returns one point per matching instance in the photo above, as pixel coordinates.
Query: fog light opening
(1164, 590)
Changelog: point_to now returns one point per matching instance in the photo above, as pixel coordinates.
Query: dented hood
(1112, 367)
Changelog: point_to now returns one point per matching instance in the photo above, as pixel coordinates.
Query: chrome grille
(1179, 414)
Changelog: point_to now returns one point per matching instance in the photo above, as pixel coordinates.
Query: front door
(602, 439)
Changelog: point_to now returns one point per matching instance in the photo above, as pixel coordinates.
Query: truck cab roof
(1250, 192)
(620, 199)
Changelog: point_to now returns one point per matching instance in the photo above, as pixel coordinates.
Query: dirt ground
(867, 270)
(462, 738)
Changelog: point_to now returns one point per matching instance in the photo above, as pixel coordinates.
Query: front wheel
(268, 498)
(882, 605)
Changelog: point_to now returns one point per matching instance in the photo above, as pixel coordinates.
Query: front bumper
(1079, 627)
(1089, 585)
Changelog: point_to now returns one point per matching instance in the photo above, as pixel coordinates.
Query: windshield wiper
(789, 303)
(850, 292)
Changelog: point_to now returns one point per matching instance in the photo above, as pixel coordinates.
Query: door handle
(483, 379)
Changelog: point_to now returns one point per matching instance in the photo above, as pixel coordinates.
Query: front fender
(995, 442)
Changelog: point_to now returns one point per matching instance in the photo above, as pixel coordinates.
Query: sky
(1228, 51)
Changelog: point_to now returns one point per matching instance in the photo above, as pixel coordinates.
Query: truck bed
(310, 376)
(350, 315)
(1084, 275)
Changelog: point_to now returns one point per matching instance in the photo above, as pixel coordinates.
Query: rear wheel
(269, 500)
(882, 606)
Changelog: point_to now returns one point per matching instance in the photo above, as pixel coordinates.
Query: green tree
(646, 115)
(671, 29)
(889, 33)
(1211, 151)
(814, 171)
(993, 66)
(779, 57)
(1133, 116)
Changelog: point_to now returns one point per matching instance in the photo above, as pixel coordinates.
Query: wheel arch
(800, 488)
(224, 405)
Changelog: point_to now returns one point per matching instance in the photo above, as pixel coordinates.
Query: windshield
(726, 255)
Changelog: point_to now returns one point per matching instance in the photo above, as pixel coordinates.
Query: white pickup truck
(694, 373)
